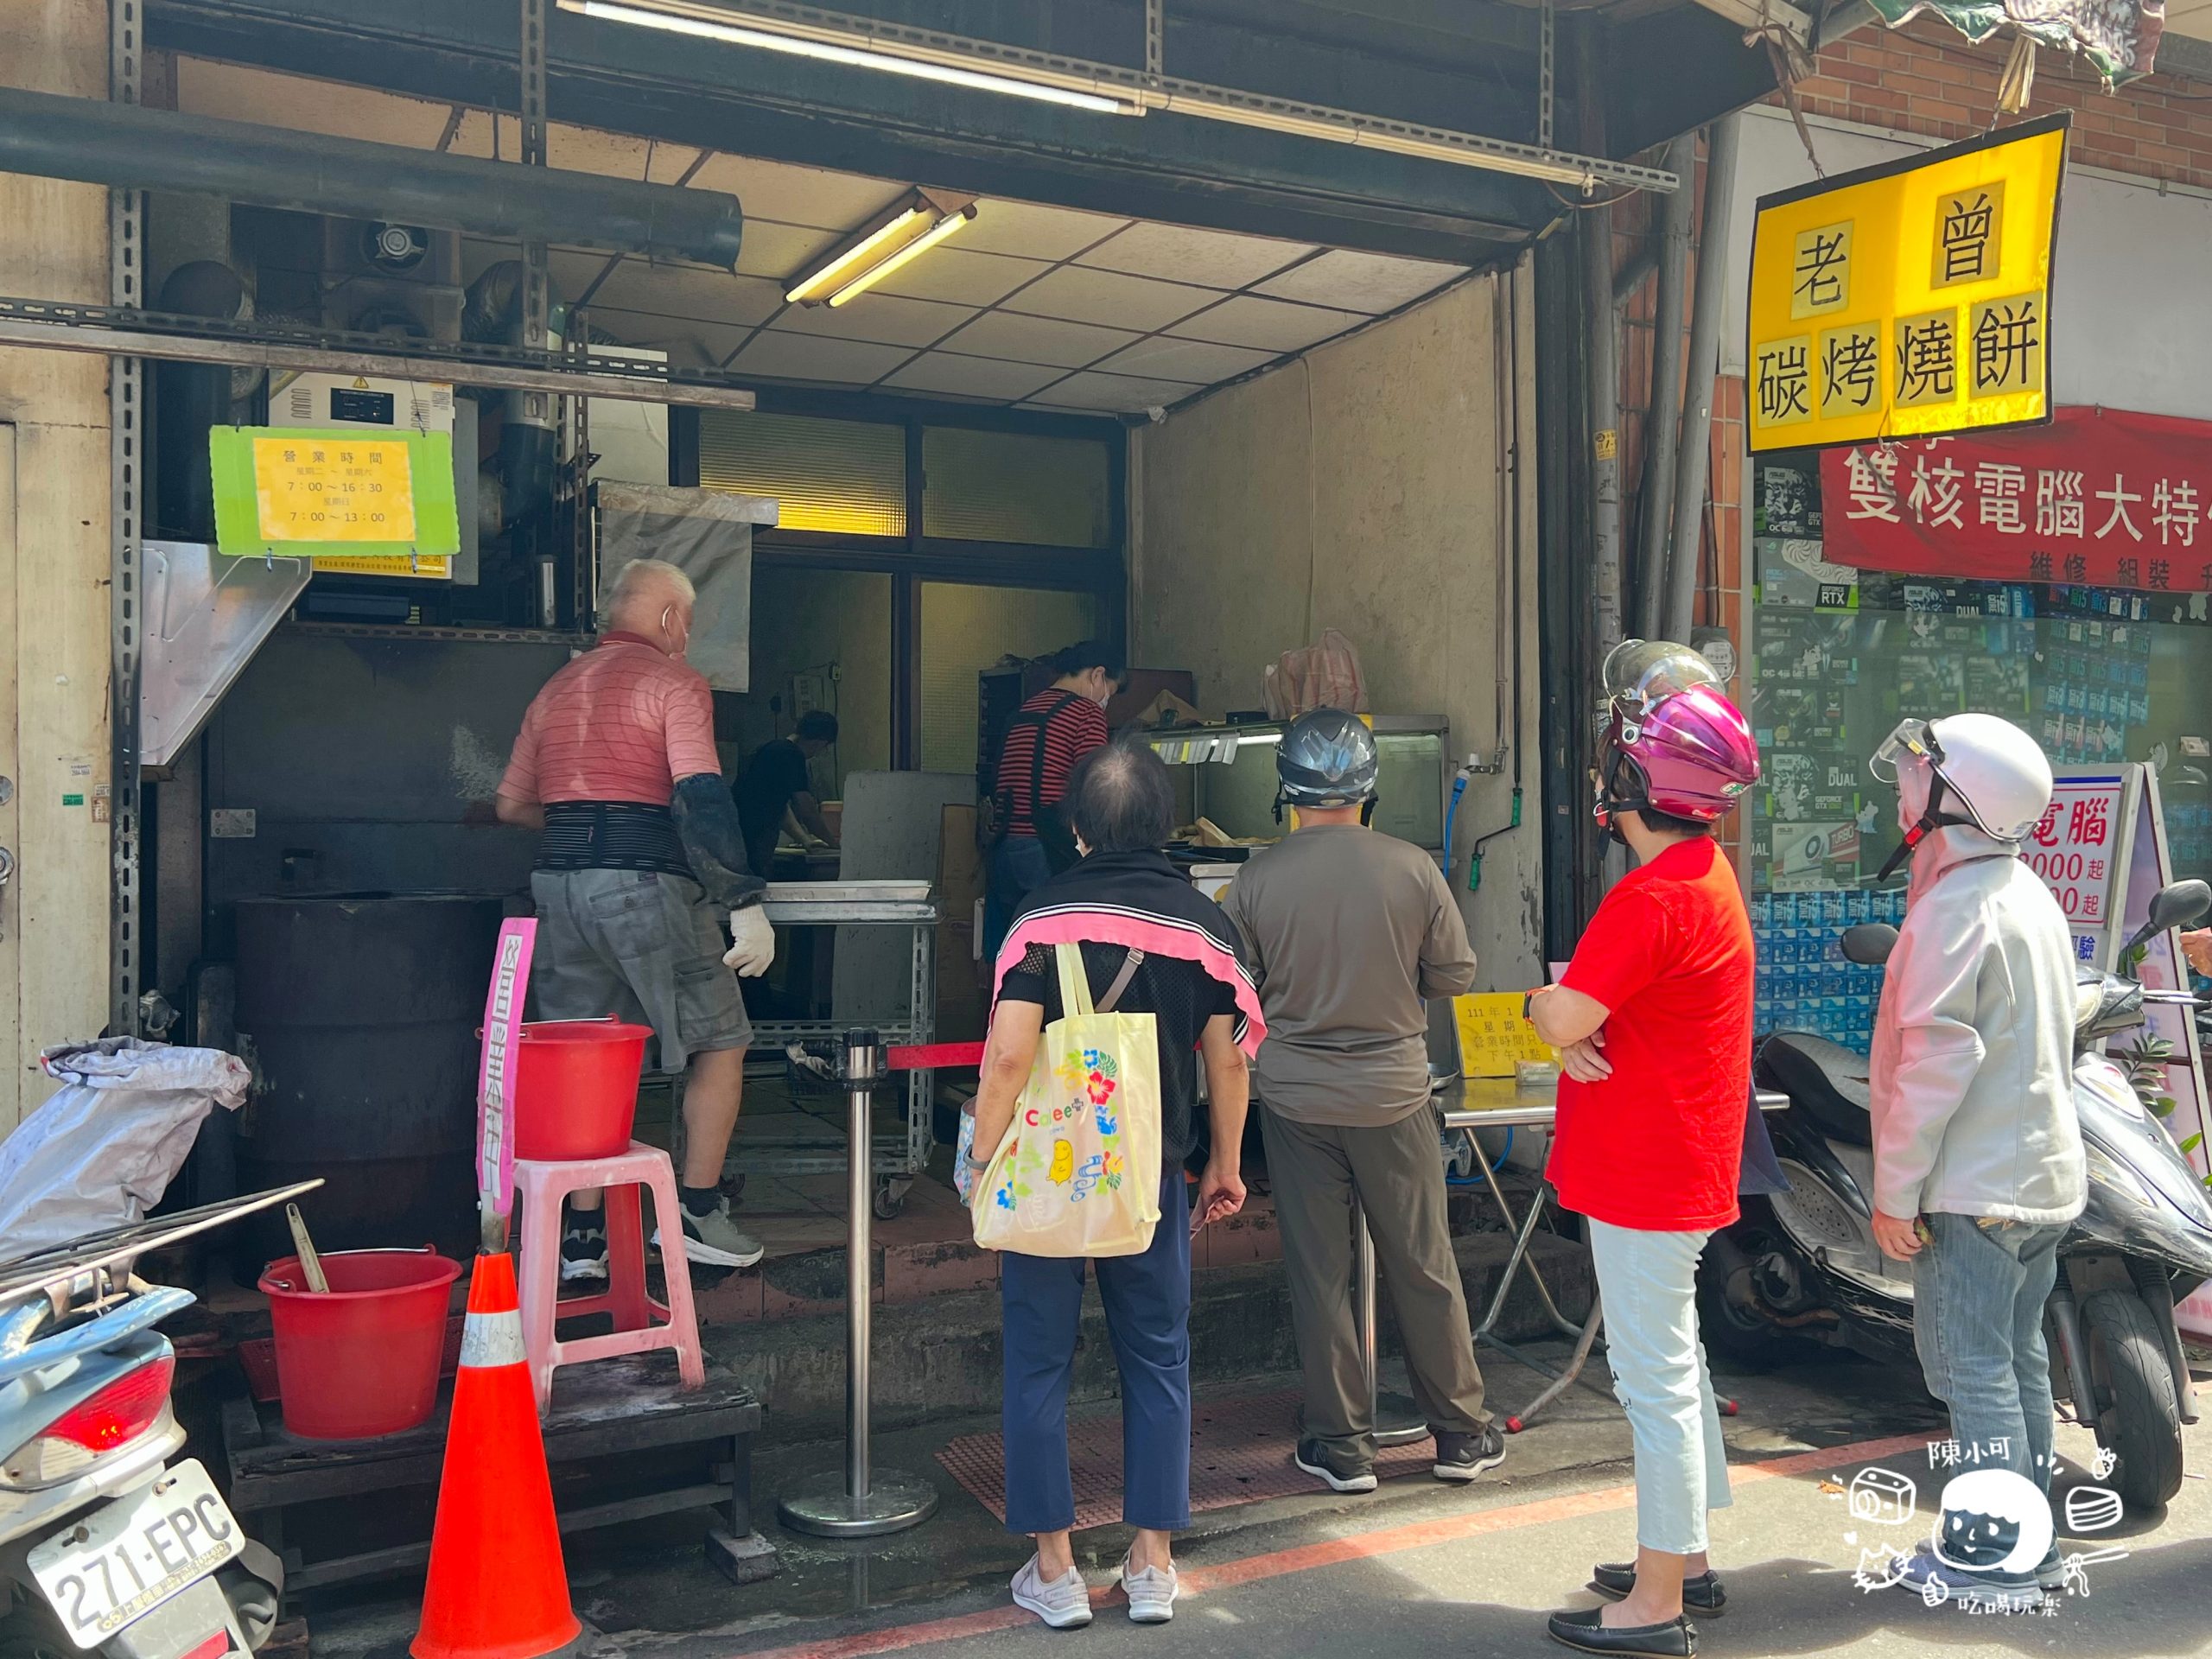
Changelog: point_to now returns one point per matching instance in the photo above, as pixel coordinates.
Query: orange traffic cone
(498, 1589)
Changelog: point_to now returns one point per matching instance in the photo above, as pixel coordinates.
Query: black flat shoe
(1676, 1639)
(1701, 1594)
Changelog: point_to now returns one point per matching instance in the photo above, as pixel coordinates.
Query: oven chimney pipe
(129, 147)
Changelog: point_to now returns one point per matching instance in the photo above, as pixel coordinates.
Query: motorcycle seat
(1824, 1080)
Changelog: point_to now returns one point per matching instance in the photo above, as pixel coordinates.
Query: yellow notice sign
(1494, 1038)
(1907, 299)
(324, 489)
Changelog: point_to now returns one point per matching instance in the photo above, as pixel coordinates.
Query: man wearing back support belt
(641, 851)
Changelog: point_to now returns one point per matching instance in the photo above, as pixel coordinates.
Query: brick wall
(1925, 78)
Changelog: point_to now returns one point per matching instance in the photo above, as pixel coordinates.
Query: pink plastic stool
(542, 1187)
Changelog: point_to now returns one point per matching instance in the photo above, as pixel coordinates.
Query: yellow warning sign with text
(311, 489)
(1907, 299)
(1494, 1035)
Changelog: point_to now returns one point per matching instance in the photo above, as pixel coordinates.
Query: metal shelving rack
(897, 1158)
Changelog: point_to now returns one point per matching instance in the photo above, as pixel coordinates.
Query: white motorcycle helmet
(1972, 769)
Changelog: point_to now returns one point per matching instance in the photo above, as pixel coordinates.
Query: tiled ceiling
(1031, 305)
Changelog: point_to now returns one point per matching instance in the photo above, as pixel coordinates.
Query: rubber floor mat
(1239, 1454)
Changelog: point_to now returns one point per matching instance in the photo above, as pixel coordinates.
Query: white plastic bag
(102, 1151)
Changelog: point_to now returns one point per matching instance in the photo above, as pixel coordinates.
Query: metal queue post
(861, 1501)
(1397, 1421)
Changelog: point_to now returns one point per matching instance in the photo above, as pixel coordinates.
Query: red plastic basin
(359, 1360)
(577, 1088)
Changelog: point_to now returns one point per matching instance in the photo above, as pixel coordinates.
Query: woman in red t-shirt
(1653, 1023)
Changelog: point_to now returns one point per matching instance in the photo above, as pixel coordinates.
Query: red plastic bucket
(359, 1360)
(577, 1088)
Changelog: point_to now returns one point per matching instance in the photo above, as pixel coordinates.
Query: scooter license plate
(123, 1560)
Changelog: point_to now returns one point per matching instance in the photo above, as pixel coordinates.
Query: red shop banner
(2099, 498)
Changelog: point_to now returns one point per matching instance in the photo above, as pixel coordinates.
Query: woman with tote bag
(1117, 977)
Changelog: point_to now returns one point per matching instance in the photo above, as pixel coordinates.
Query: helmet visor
(1638, 673)
(1910, 738)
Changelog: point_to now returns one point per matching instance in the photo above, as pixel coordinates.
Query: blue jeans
(1649, 1284)
(1147, 1301)
(1019, 868)
(1979, 1289)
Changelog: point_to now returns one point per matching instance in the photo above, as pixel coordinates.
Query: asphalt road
(1461, 1574)
(1418, 1569)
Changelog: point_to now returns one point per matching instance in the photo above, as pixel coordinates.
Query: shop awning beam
(1765, 14)
(115, 332)
(1132, 89)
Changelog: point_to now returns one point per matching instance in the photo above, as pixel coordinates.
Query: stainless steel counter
(1500, 1103)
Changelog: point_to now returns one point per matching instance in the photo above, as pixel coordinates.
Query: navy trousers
(1148, 1300)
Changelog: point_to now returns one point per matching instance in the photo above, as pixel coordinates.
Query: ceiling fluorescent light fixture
(949, 225)
(855, 50)
(827, 277)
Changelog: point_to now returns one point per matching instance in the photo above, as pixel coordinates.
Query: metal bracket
(206, 616)
(1549, 24)
(126, 503)
(1155, 40)
(536, 408)
(120, 331)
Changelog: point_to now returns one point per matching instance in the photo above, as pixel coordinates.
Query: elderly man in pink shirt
(641, 852)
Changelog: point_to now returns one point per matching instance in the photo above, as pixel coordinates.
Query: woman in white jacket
(1977, 1163)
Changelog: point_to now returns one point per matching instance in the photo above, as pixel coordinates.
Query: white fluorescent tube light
(858, 56)
(830, 275)
(921, 244)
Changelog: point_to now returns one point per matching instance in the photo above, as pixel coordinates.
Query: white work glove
(752, 943)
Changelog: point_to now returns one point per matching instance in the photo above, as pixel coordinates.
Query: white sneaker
(1151, 1592)
(713, 1240)
(1064, 1604)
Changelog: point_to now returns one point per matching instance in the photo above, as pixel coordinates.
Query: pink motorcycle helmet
(1672, 741)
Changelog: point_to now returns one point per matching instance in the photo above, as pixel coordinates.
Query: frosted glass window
(847, 476)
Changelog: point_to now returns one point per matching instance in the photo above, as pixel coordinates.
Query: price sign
(333, 489)
(1494, 1037)
(382, 503)
(2076, 848)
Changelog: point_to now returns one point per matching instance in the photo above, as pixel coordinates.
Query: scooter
(105, 1544)
(1802, 1265)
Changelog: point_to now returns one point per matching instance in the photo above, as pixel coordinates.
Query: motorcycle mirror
(2180, 904)
(1869, 943)
(2176, 905)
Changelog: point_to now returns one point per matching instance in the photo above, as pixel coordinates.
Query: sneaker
(714, 1241)
(1151, 1593)
(1462, 1456)
(1333, 1469)
(1701, 1595)
(1064, 1604)
(2050, 1573)
(583, 1253)
(1936, 1581)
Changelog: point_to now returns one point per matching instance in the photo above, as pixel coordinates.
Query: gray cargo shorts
(644, 946)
